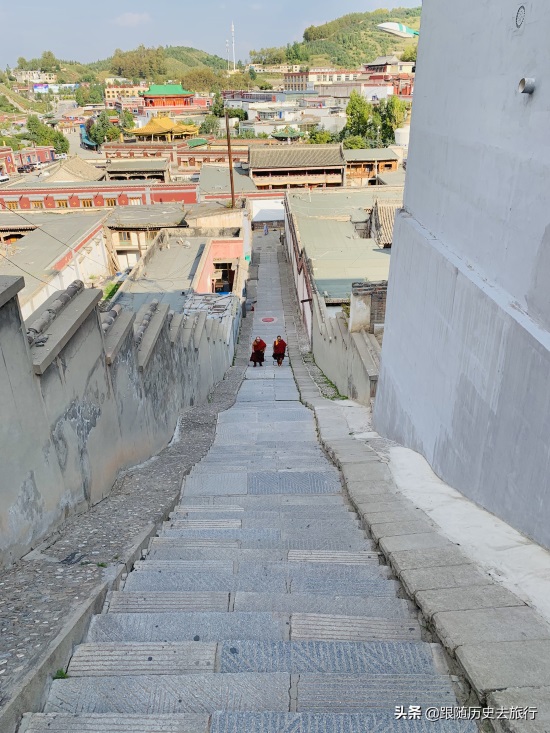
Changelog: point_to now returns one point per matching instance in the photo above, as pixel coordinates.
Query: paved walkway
(261, 607)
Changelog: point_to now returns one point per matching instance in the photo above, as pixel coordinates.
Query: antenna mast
(233, 35)
(227, 48)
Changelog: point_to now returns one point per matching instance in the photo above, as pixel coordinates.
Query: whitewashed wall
(465, 375)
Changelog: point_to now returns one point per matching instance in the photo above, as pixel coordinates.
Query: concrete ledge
(151, 335)
(63, 328)
(391, 529)
(175, 327)
(35, 315)
(199, 327)
(523, 697)
(457, 628)
(115, 336)
(9, 287)
(464, 599)
(432, 558)
(453, 576)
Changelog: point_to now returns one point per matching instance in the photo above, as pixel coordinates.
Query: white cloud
(131, 20)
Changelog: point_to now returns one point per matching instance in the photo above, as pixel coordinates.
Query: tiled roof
(297, 156)
(75, 169)
(369, 154)
(165, 89)
(384, 218)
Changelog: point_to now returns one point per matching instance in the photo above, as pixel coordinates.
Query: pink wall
(221, 250)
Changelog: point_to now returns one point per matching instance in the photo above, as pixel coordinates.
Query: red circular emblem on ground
(267, 320)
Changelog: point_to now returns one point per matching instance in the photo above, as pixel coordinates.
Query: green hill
(347, 42)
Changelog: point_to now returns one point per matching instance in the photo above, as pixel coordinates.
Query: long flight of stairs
(261, 607)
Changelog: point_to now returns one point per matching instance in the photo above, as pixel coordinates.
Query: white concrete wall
(466, 355)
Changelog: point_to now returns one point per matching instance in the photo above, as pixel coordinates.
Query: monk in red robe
(279, 350)
(258, 351)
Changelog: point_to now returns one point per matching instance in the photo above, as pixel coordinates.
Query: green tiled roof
(196, 142)
(166, 89)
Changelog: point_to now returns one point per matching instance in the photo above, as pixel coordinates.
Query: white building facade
(465, 377)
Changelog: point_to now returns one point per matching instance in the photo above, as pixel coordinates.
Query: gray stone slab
(170, 694)
(187, 566)
(456, 628)
(435, 557)
(166, 550)
(377, 606)
(526, 698)
(452, 576)
(108, 723)
(490, 595)
(128, 602)
(375, 721)
(336, 558)
(387, 516)
(260, 503)
(351, 628)
(168, 580)
(496, 666)
(323, 657)
(223, 534)
(167, 627)
(345, 693)
(424, 541)
(116, 659)
(392, 529)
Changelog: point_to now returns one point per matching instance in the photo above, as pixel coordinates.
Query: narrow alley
(262, 606)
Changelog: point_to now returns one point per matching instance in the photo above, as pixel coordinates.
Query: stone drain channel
(261, 606)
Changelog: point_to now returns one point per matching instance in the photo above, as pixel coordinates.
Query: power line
(29, 221)
(23, 270)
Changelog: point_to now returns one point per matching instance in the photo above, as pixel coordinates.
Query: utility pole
(230, 156)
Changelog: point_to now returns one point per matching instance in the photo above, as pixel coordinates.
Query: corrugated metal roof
(297, 156)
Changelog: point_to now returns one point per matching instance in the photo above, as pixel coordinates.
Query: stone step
(236, 657)
(299, 582)
(235, 511)
(182, 539)
(345, 693)
(174, 602)
(261, 522)
(107, 723)
(127, 602)
(270, 722)
(292, 572)
(260, 503)
(209, 693)
(372, 721)
(311, 534)
(264, 483)
(191, 626)
(115, 659)
(351, 628)
(167, 551)
(150, 694)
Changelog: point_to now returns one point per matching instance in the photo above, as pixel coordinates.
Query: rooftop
(369, 154)
(215, 180)
(74, 169)
(166, 90)
(135, 165)
(38, 251)
(392, 178)
(167, 274)
(326, 222)
(297, 156)
(147, 217)
(383, 60)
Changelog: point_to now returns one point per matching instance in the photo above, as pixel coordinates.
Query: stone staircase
(261, 607)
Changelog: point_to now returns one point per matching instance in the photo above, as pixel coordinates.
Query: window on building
(124, 236)
(37, 204)
(110, 202)
(87, 203)
(11, 205)
(134, 201)
(62, 204)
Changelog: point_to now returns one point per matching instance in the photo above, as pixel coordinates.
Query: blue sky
(87, 31)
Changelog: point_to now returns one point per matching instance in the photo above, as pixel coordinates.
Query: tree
(218, 106)
(203, 79)
(103, 130)
(41, 134)
(240, 114)
(265, 86)
(127, 120)
(49, 63)
(320, 136)
(409, 54)
(359, 111)
(210, 125)
(355, 142)
(393, 112)
(252, 73)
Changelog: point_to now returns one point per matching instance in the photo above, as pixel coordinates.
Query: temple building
(164, 128)
(172, 100)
